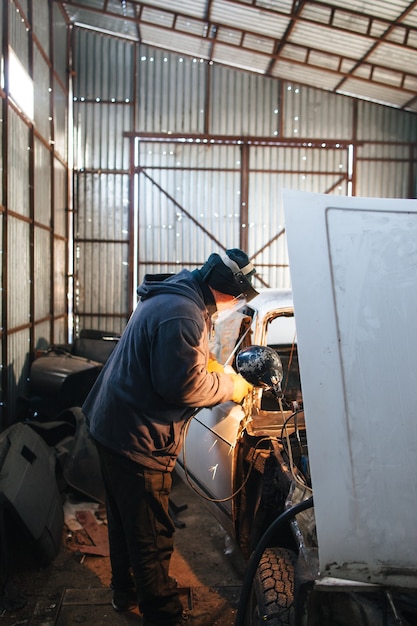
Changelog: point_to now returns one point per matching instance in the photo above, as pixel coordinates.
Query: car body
(215, 437)
(236, 456)
(250, 463)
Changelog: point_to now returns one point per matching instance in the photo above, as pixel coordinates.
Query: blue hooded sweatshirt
(157, 374)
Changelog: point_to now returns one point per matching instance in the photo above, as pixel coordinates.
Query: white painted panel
(353, 264)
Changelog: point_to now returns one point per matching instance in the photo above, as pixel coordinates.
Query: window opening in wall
(20, 85)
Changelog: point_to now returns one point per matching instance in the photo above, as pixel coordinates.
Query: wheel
(272, 594)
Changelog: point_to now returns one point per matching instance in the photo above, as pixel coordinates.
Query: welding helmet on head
(230, 274)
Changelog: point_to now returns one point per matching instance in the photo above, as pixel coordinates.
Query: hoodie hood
(182, 283)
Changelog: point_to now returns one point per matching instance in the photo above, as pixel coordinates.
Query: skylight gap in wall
(20, 85)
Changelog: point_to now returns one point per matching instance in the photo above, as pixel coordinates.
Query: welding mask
(230, 274)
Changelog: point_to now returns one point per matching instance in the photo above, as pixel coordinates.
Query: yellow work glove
(241, 387)
(214, 366)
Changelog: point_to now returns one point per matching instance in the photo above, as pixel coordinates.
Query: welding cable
(289, 418)
(288, 447)
(258, 552)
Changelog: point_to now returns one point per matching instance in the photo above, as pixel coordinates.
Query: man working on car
(137, 410)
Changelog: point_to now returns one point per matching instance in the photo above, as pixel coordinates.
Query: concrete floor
(74, 588)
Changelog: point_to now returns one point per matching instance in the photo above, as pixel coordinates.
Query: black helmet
(230, 274)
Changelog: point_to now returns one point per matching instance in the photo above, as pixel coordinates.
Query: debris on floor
(86, 528)
(75, 587)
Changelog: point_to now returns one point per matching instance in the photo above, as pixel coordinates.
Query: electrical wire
(295, 472)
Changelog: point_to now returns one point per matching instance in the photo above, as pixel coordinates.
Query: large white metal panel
(354, 273)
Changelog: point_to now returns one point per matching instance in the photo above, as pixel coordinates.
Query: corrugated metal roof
(259, 21)
(384, 9)
(178, 42)
(367, 49)
(328, 39)
(305, 75)
(240, 58)
(395, 57)
(369, 91)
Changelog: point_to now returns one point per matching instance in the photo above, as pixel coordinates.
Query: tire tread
(274, 587)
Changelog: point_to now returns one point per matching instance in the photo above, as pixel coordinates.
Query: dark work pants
(140, 534)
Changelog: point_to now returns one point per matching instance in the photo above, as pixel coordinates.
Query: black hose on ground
(258, 552)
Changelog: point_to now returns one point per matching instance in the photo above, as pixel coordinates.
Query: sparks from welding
(212, 445)
(213, 469)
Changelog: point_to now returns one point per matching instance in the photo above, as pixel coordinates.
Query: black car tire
(272, 595)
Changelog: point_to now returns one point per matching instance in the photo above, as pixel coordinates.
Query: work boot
(124, 599)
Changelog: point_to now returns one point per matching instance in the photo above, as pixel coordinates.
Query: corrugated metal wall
(147, 204)
(386, 153)
(196, 172)
(171, 92)
(34, 197)
(242, 104)
(103, 112)
(190, 200)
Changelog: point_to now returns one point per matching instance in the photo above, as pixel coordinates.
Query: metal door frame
(245, 143)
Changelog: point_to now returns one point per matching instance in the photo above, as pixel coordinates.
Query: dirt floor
(74, 588)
